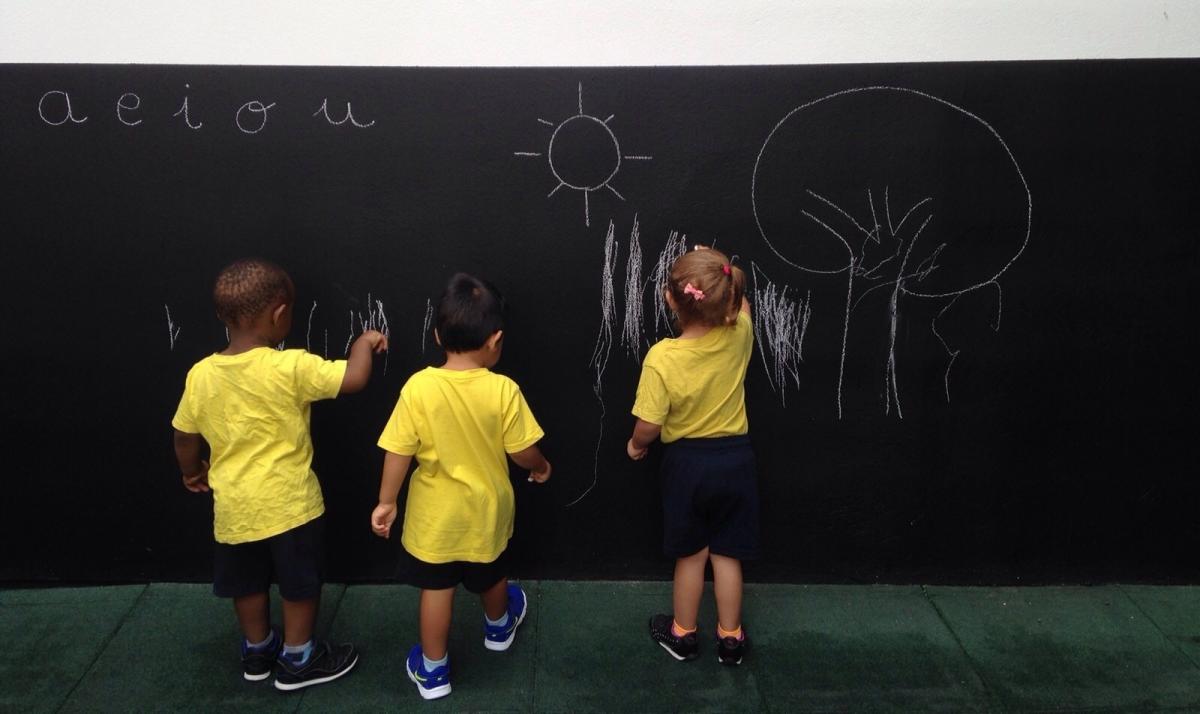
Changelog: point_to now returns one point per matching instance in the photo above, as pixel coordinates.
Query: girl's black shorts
(710, 497)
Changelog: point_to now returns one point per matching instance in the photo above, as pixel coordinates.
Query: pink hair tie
(725, 269)
(695, 292)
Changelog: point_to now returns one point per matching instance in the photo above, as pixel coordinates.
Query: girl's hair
(706, 288)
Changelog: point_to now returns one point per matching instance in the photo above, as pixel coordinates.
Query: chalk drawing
(308, 332)
(602, 160)
(183, 109)
(324, 109)
(428, 323)
(69, 116)
(603, 348)
(632, 328)
(172, 329)
(374, 319)
(880, 252)
(253, 107)
(780, 323)
(137, 102)
(676, 246)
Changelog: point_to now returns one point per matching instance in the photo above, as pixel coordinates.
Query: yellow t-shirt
(252, 409)
(459, 424)
(695, 388)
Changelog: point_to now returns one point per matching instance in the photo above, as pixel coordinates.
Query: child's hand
(377, 340)
(540, 476)
(635, 453)
(197, 482)
(382, 519)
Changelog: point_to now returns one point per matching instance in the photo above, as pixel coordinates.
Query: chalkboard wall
(975, 289)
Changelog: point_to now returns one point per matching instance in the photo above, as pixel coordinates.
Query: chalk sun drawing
(810, 176)
(583, 154)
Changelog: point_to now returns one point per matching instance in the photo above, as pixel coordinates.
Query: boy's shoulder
(437, 375)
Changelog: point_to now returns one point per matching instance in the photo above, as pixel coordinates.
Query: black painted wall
(1015, 399)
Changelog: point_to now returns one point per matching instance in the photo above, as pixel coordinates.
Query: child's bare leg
(727, 586)
(298, 619)
(495, 600)
(436, 608)
(689, 584)
(254, 616)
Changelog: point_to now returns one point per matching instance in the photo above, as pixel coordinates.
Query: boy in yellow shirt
(251, 403)
(459, 420)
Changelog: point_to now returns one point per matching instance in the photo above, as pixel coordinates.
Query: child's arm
(187, 453)
(531, 458)
(644, 434)
(395, 469)
(358, 366)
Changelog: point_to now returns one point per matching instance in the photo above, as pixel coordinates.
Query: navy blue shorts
(295, 559)
(475, 577)
(710, 497)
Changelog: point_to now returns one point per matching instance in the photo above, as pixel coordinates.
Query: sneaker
(431, 685)
(681, 648)
(257, 664)
(730, 650)
(325, 664)
(500, 638)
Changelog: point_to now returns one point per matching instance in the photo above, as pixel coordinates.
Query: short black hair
(471, 310)
(247, 287)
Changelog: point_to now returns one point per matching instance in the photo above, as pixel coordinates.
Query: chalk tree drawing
(583, 154)
(842, 184)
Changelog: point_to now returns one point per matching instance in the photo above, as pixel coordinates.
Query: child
(250, 402)
(691, 392)
(459, 420)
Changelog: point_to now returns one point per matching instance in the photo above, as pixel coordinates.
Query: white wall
(595, 32)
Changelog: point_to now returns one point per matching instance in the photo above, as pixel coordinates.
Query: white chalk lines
(780, 322)
(878, 248)
(603, 348)
(55, 109)
(172, 329)
(600, 145)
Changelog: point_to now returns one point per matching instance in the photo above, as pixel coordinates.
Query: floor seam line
(103, 646)
(987, 688)
(537, 639)
(1173, 643)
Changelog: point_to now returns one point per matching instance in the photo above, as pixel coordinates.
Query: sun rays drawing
(583, 154)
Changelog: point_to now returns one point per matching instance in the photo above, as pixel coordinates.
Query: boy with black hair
(459, 420)
(251, 403)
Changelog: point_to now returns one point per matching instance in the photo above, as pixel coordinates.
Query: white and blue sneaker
(431, 685)
(500, 637)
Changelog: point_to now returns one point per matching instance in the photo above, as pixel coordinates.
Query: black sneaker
(681, 648)
(257, 664)
(730, 650)
(325, 664)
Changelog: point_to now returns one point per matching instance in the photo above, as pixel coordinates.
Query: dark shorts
(710, 497)
(475, 577)
(295, 559)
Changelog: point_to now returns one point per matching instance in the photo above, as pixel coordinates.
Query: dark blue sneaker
(258, 663)
(325, 663)
(431, 685)
(500, 638)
